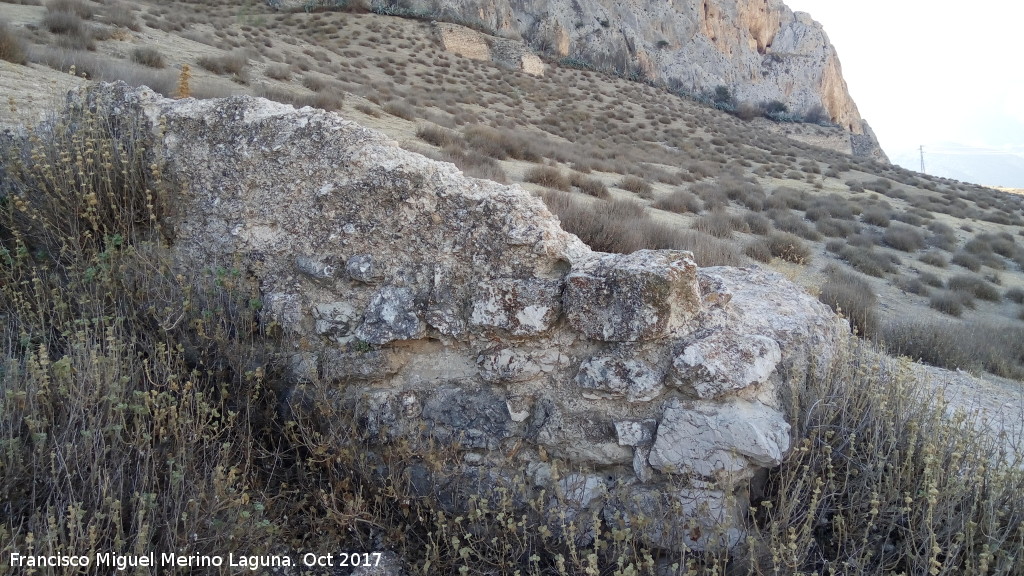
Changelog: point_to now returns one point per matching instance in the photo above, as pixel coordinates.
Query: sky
(941, 74)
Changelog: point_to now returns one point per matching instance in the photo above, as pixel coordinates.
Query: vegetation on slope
(142, 411)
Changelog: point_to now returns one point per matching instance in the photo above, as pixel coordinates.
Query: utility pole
(922, 160)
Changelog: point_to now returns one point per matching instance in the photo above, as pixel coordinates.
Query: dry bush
(471, 163)
(231, 64)
(759, 250)
(757, 223)
(148, 56)
(948, 302)
(868, 260)
(788, 247)
(589, 186)
(637, 186)
(681, 202)
(548, 176)
(975, 286)
(786, 197)
(717, 223)
(934, 259)
(624, 226)
(836, 228)
(1014, 295)
(912, 286)
(877, 216)
(710, 195)
(966, 260)
(904, 238)
(79, 8)
(788, 221)
(500, 144)
(745, 193)
(399, 109)
(12, 47)
(438, 136)
(74, 33)
(852, 295)
(931, 280)
(281, 72)
(967, 345)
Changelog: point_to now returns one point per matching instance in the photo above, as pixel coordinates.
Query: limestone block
(641, 296)
(520, 307)
(392, 314)
(725, 362)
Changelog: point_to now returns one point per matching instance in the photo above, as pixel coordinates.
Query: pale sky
(931, 72)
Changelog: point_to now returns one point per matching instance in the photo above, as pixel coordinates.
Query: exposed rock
(725, 362)
(760, 49)
(641, 296)
(450, 320)
(474, 45)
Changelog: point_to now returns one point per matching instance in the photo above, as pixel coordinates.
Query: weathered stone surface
(391, 315)
(629, 378)
(726, 441)
(640, 296)
(511, 365)
(446, 321)
(521, 307)
(699, 518)
(725, 362)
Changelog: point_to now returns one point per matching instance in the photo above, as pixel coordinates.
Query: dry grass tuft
(12, 47)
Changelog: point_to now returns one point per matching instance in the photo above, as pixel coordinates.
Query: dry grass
(148, 56)
(852, 296)
(12, 47)
(548, 176)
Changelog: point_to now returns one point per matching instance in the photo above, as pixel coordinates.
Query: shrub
(903, 238)
(931, 280)
(279, 72)
(471, 163)
(912, 286)
(680, 202)
(852, 295)
(836, 228)
(76, 7)
(788, 247)
(967, 260)
(148, 57)
(947, 302)
(757, 223)
(399, 109)
(975, 286)
(759, 250)
(75, 33)
(233, 64)
(794, 224)
(934, 259)
(717, 223)
(868, 260)
(958, 344)
(876, 216)
(589, 186)
(1015, 295)
(438, 136)
(636, 185)
(548, 176)
(12, 48)
(499, 144)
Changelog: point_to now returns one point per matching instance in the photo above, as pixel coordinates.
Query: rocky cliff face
(760, 49)
(447, 308)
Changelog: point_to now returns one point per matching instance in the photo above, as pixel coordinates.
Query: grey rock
(335, 319)
(629, 378)
(476, 419)
(520, 307)
(726, 362)
(314, 268)
(363, 268)
(645, 295)
(636, 432)
(726, 441)
(507, 365)
(391, 315)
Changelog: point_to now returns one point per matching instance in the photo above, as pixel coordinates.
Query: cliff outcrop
(760, 49)
(455, 310)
